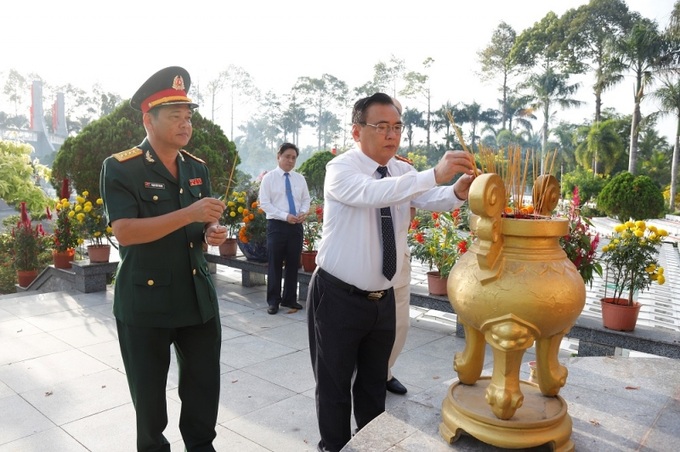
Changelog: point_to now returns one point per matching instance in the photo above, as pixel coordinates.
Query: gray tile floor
(63, 388)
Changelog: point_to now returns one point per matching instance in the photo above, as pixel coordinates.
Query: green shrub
(588, 185)
(629, 197)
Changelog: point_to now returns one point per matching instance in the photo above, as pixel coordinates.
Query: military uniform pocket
(156, 202)
(152, 292)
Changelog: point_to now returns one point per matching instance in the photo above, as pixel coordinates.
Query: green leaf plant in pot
(631, 266)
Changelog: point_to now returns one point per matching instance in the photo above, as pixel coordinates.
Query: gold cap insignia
(178, 83)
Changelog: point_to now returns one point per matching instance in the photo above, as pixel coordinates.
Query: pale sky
(120, 44)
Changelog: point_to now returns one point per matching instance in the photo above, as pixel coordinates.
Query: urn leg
(470, 362)
(509, 338)
(503, 393)
(551, 374)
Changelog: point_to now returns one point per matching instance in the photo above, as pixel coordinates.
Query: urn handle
(546, 194)
(487, 200)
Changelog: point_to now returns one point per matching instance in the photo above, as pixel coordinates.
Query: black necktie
(389, 245)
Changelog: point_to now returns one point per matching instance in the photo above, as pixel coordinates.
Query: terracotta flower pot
(436, 285)
(98, 254)
(308, 259)
(618, 315)
(62, 259)
(228, 248)
(26, 277)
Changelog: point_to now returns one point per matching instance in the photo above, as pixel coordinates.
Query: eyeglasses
(383, 128)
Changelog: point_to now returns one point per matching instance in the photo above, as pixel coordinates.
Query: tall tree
(592, 31)
(385, 78)
(320, 94)
(240, 86)
(292, 119)
(669, 98)
(15, 87)
(418, 86)
(412, 118)
(540, 47)
(640, 50)
(496, 62)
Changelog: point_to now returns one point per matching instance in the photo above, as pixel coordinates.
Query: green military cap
(168, 86)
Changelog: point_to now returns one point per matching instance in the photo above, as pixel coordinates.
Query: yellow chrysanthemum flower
(71, 214)
(619, 227)
(86, 193)
(640, 224)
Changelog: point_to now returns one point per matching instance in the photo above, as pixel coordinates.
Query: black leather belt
(371, 295)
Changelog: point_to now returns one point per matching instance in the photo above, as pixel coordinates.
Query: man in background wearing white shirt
(284, 197)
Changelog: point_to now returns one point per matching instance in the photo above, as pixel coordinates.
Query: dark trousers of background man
(347, 331)
(284, 243)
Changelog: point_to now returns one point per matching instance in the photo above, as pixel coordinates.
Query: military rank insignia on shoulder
(403, 159)
(127, 155)
(188, 154)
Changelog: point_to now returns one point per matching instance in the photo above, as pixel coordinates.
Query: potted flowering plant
(66, 233)
(311, 233)
(312, 228)
(435, 240)
(232, 218)
(93, 226)
(580, 244)
(28, 244)
(252, 235)
(631, 262)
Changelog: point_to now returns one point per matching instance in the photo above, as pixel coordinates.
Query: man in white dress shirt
(285, 199)
(351, 313)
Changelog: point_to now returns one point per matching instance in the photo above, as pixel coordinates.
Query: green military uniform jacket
(165, 283)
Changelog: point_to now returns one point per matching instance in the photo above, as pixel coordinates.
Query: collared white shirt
(351, 241)
(273, 198)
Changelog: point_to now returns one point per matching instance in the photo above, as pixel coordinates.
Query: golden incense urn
(515, 287)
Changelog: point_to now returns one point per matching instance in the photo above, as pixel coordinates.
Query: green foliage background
(80, 158)
(314, 170)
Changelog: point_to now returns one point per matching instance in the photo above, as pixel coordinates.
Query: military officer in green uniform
(158, 200)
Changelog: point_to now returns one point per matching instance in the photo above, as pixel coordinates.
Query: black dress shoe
(395, 387)
(272, 309)
(293, 305)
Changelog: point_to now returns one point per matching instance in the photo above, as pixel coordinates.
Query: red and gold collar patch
(196, 181)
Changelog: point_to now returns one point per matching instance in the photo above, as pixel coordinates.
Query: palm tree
(640, 52)
(440, 121)
(601, 145)
(412, 118)
(669, 97)
(517, 107)
(548, 89)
